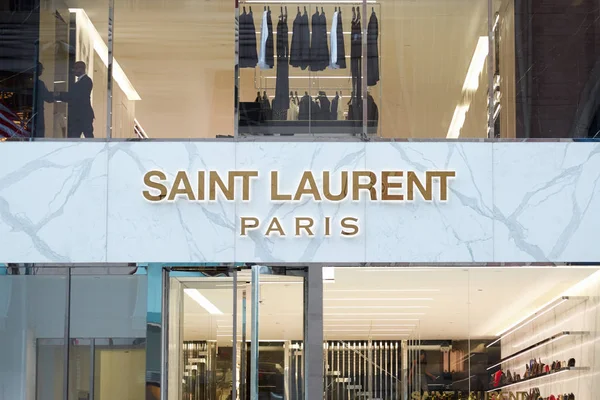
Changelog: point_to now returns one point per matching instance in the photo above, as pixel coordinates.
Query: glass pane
(108, 323)
(32, 309)
(310, 82)
(119, 368)
(204, 331)
(543, 338)
(281, 337)
(388, 331)
(175, 75)
(72, 89)
(433, 69)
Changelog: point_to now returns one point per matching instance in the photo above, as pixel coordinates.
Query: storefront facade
(142, 269)
(401, 202)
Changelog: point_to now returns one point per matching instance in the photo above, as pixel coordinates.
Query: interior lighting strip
(203, 301)
(538, 345)
(527, 320)
(102, 49)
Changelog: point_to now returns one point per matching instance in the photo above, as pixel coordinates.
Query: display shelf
(542, 311)
(539, 377)
(538, 345)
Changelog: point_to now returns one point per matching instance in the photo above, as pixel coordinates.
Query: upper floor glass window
(379, 68)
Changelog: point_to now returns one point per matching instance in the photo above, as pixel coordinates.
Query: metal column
(254, 333)
(404, 368)
(156, 335)
(92, 368)
(234, 341)
(243, 382)
(67, 337)
(364, 80)
(313, 333)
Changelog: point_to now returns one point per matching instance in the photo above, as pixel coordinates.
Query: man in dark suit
(81, 114)
(43, 96)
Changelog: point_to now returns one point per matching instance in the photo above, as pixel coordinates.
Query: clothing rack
(265, 80)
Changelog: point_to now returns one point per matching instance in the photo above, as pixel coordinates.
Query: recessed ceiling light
(380, 299)
(375, 306)
(368, 319)
(372, 314)
(203, 301)
(382, 290)
(370, 324)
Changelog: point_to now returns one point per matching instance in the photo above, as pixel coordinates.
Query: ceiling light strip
(203, 301)
(379, 307)
(538, 345)
(532, 317)
(380, 290)
(379, 299)
(102, 49)
(366, 314)
(470, 85)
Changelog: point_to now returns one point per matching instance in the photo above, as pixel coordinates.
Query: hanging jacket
(333, 41)
(282, 83)
(324, 113)
(341, 50)
(304, 108)
(248, 53)
(270, 55)
(295, 52)
(334, 108)
(319, 49)
(264, 37)
(372, 51)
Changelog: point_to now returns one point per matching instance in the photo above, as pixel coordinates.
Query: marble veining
(509, 202)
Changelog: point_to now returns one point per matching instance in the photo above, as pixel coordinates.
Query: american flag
(10, 124)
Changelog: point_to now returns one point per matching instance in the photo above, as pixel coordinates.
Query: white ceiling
(386, 303)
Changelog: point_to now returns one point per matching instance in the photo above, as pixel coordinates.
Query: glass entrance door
(212, 318)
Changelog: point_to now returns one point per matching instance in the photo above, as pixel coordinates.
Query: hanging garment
(305, 106)
(340, 111)
(334, 107)
(333, 41)
(324, 112)
(372, 110)
(341, 50)
(266, 109)
(280, 115)
(356, 66)
(314, 41)
(300, 52)
(319, 49)
(270, 55)
(295, 49)
(314, 110)
(248, 54)
(293, 111)
(281, 102)
(264, 35)
(373, 51)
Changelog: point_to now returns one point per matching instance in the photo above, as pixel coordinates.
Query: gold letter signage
(385, 187)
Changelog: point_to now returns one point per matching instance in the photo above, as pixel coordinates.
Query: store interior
(496, 331)
(174, 70)
(478, 327)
